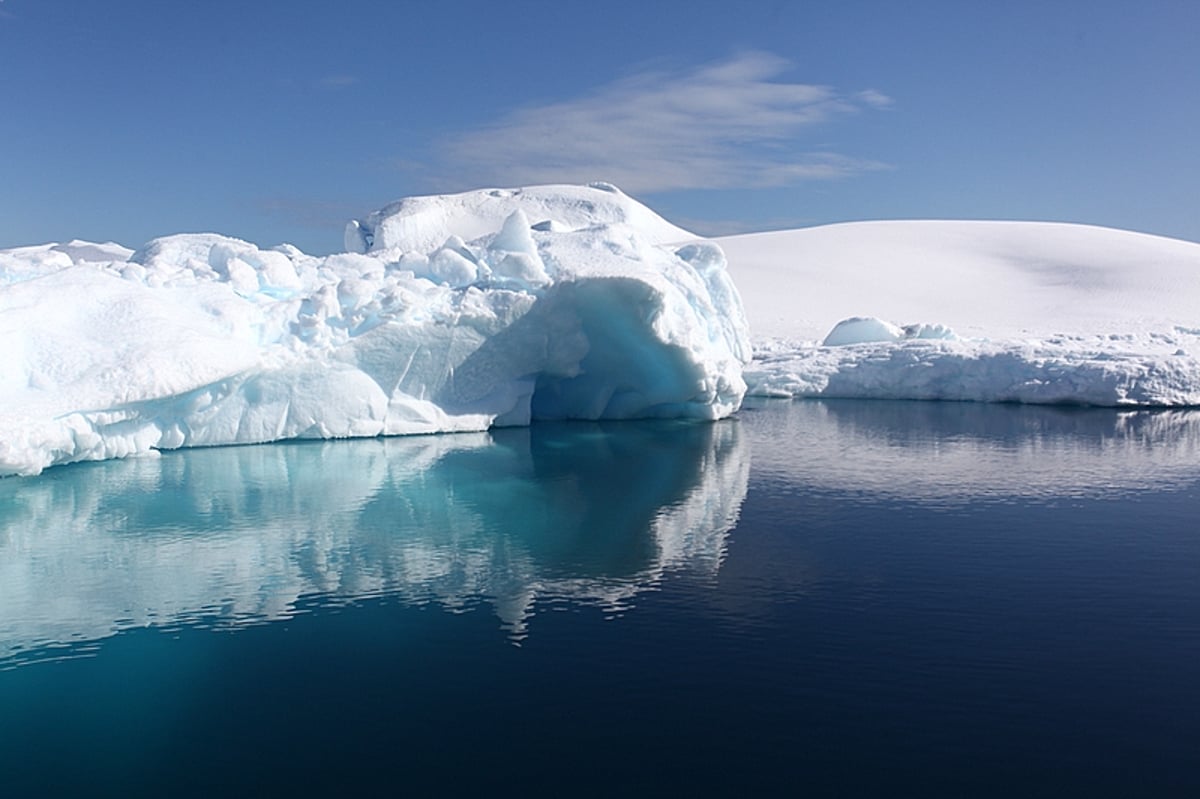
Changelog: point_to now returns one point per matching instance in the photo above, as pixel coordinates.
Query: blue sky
(277, 121)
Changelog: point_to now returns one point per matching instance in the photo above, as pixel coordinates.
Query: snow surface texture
(459, 313)
(985, 311)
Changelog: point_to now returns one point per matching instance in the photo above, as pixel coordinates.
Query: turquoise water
(843, 598)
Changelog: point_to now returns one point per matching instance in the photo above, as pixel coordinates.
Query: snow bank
(462, 313)
(984, 311)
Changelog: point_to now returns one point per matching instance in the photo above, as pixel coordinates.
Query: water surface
(842, 598)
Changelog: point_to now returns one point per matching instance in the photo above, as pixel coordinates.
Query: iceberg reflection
(585, 512)
(964, 451)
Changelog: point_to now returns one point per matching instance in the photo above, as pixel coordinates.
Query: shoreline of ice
(1157, 370)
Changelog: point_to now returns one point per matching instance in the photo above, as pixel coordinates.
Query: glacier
(550, 303)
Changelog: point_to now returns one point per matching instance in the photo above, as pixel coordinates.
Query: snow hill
(499, 306)
(984, 311)
(984, 279)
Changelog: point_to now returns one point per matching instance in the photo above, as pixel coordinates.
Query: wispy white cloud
(874, 98)
(336, 81)
(732, 124)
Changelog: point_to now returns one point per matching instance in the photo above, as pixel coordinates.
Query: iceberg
(454, 313)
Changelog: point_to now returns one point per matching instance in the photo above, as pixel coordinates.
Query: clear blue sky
(277, 121)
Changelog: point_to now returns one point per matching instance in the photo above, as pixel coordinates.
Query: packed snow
(984, 311)
(497, 307)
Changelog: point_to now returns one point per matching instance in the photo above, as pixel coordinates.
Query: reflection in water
(587, 512)
(950, 451)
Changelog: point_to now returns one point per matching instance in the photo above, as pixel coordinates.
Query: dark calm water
(831, 599)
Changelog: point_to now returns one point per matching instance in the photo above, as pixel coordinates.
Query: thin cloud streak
(874, 98)
(733, 124)
(336, 81)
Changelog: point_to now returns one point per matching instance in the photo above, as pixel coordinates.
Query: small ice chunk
(514, 235)
(522, 267)
(704, 256)
(928, 331)
(514, 252)
(862, 330)
(450, 267)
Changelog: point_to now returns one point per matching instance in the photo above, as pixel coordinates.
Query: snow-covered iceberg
(453, 313)
(983, 311)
